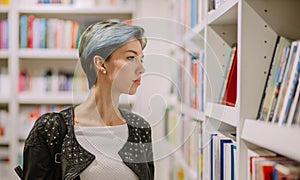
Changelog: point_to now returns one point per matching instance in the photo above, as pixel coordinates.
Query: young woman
(100, 140)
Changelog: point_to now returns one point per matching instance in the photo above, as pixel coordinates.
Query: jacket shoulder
(134, 119)
(46, 129)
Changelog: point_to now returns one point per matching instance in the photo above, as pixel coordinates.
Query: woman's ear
(99, 64)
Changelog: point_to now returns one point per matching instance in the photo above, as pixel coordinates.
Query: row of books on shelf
(90, 2)
(267, 165)
(192, 147)
(227, 95)
(190, 11)
(280, 100)
(55, 1)
(52, 81)
(223, 157)
(172, 129)
(185, 135)
(4, 33)
(191, 80)
(198, 80)
(48, 33)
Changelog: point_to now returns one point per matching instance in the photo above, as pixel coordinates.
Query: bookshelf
(272, 136)
(254, 25)
(5, 98)
(15, 59)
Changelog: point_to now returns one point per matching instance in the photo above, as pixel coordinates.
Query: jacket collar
(75, 158)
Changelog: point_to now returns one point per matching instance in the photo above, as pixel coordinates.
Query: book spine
(30, 31)
(23, 31)
(290, 80)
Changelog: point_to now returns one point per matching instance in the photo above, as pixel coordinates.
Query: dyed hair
(101, 39)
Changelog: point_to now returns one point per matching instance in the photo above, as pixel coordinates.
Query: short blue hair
(102, 38)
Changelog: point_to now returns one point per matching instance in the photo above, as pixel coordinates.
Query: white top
(104, 142)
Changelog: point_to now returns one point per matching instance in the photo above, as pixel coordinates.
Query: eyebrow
(134, 52)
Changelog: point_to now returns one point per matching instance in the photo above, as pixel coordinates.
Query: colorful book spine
(283, 89)
(48, 33)
(230, 86)
(270, 85)
(23, 31)
(291, 85)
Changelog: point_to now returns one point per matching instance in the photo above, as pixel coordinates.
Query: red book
(267, 172)
(229, 95)
(29, 31)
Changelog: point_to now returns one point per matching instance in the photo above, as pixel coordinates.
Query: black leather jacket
(136, 153)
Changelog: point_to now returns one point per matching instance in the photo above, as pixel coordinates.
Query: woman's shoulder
(47, 121)
(134, 119)
(47, 126)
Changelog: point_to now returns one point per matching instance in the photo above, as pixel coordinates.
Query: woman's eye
(131, 58)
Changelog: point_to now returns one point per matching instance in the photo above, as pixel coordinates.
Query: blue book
(233, 149)
(7, 33)
(222, 147)
(43, 30)
(194, 13)
(23, 31)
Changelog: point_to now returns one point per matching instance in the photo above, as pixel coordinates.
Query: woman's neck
(100, 109)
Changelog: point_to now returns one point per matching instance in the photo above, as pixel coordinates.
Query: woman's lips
(137, 81)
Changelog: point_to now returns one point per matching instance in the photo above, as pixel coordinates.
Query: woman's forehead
(133, 46)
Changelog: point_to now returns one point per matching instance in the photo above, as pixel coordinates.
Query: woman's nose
(141, 69)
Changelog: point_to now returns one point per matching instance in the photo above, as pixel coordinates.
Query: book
(294, 104)
(270, 86)
(230, 87)
(278, 81)
(291, 80)
(51, 28)
(223, 154)
(201, 81)
(286, 170)
(262, 166)
(284, 84)
(30, 20)
(194, 13)
(212, 162)
(226, 71)
(36, 33)
(23, 31)
(42, 32)
(218, 154)
(234, 164)
(255, 153)
(296, 118)
(196, 81)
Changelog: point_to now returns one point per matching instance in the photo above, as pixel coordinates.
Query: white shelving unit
(254, 25)
(48, 54)
(18, 58)
(273, 136)
(51, 98)
(70, 9)
(226, 114)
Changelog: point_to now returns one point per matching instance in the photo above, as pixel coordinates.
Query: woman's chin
(132, 91)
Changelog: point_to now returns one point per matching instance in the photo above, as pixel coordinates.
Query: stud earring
(102, 69)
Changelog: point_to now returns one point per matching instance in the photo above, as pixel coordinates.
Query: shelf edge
(273, 137)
